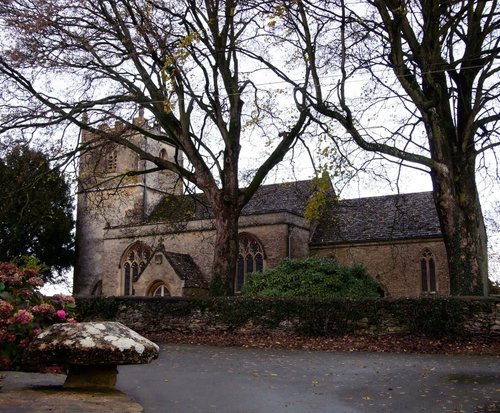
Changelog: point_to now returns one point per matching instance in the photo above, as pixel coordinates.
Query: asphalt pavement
(191, 379)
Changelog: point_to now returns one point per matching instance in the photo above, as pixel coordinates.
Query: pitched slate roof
(285, 197)
(392, 217)
(381, 218)
(185, 267)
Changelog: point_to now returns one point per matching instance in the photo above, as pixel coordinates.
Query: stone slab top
(90, 343)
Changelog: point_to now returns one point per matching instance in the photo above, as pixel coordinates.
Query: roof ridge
(387, 196)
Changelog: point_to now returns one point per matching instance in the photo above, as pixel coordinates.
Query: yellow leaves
(173, 65)
(189, 39)
(176, 57)
(320, 197)
(167, 106)
(279, 13)
(400, 10)
(251, 122)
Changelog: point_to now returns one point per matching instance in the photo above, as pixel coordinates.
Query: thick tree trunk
(462, 224)
(225, 252)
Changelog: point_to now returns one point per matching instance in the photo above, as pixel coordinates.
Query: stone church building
(141, 234)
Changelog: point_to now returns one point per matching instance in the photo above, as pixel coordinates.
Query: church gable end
(160, 272)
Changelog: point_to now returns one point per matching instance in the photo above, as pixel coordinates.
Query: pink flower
(35, 282)
(5, 309)
(24, 342)
(36, 331)
(25, 293)
(30, 273)
(23, 317)
(7, 336)
(10, 275)
(14, 280)
(44, 309)
(61, 314)
(8, 269)
(65, 299)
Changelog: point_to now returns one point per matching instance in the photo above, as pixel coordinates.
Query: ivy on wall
(434, 317)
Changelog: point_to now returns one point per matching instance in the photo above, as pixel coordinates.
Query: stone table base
(43, 393)
(100, 376)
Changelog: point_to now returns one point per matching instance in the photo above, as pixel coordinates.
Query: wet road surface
(191, 378)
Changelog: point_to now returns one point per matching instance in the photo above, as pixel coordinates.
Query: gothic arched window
(135, 260)
(127, 281)
(428, 271)
(250, 259)
(159, 289)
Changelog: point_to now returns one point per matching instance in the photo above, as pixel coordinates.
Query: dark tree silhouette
(36, 211)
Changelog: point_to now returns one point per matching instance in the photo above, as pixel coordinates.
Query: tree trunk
(462, 224)
(225, 251)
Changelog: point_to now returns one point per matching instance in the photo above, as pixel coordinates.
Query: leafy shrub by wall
(440, 317)
(311, 277)
(98, 308)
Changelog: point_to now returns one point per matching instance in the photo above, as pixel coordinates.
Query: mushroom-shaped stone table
(91, 351)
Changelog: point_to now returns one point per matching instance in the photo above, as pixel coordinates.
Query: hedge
(434, 317)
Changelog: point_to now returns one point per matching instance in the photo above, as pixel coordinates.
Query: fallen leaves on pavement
(402, 343)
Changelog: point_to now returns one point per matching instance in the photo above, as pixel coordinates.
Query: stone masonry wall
(395, 265)
(431, 316)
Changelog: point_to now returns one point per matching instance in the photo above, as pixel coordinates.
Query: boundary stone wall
(434, 317)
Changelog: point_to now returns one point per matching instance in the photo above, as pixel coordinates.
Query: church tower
(112, 191)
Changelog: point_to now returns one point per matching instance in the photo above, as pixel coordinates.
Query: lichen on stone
(125, 343)
(87, 342)
(91, 344)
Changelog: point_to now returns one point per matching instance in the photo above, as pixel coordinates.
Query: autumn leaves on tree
(200, 70)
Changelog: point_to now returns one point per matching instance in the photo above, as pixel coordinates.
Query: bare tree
(416, 81)
(180, 60)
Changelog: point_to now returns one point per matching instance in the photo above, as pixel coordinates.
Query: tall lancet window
(250, 259)
(134, 262)
(428, 271)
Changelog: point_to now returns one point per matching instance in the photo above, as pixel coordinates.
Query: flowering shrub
(24, 312)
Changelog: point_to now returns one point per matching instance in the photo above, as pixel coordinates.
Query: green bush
(97, 308)
(311, 277)
(437, 317)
